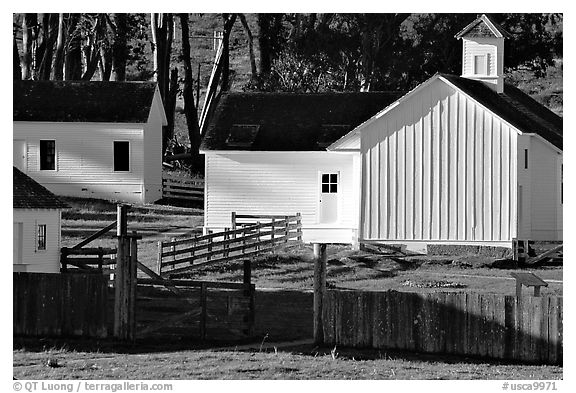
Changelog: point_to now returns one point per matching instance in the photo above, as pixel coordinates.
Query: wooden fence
(487, 325)
(186, 189)
(183, 255)
(60, 305)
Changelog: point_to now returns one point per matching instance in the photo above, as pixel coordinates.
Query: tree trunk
(170, 108)
(73, 56)
(92, 50)
(250, 45)
(264, 43)
(28, 22)
(105, 63)
(228, 24)
(120, 47)
(49, 27)
(59, 59)
(190, 110)
(16, 69)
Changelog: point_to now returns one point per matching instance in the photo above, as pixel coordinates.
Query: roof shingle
(28, 194)
(78, 101)
(292, 121)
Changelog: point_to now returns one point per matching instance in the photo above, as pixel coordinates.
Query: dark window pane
(325, 188)
(47, 155)
(325, 178)
(334, 178)
(42, 237)
(333, 188)
(121, 156)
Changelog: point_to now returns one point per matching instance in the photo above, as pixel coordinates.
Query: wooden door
(328, 201)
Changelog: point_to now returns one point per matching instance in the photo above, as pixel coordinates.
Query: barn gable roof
(28, 194)
(515, 107)
(79, 101)
(291, 121)
(483, 26)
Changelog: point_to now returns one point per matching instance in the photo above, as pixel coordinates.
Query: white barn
(459, 160)
(36, 226)
(90, 139)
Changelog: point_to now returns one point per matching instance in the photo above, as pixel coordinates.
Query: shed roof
(291, 121)
(28, 194)
(78, 101)
(515, 107)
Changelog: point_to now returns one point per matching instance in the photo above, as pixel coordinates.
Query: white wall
(39, 261)
(280, 183)
(439, 168)
(153, 154)
(542, 209)
(84, 163)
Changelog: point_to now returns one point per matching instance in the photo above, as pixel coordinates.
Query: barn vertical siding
(439, 167)
(85, 158)
(545, 222)
(282, 183)
(43, 261)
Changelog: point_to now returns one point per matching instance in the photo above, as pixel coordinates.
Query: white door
(329, 189)
(17, 235)
(19, 154)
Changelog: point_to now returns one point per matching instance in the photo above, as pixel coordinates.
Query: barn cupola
(483, 52)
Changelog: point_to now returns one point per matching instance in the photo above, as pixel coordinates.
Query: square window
(325, 178)
(329, 182)
(333, 178)
(41, 238)
(333, 187)
(325, 188)
(47, 155)
(121, 156)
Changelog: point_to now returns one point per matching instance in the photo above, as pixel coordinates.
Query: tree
(269, 39)
(190, 110)
(253, 70)
(59, 57)
(119, 27)
(16, 69)
(229, 20)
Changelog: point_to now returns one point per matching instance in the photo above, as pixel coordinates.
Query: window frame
(333, 186)
(129, 160)
(484, 62)
(43, 236)
(40, 155)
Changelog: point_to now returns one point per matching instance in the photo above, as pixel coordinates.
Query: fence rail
(187, 189)
(183, 255)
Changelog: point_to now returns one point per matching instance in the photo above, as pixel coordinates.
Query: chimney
(483, 52)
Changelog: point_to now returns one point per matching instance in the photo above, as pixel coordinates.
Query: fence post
(159, 258)
(299, 226)
(272, 236)
(192, 253)
(124, 281)
(209, 254)
(258, 237)
(203, 314)
(64, 260)
(226, 245)
(173, 249)
(100, 257)
(286, 228)
(233, 219)
(319, 290)
(247, 275)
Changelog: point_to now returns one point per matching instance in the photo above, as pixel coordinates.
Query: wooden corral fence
(59, 305)
(183, 255)
(487, 325)
(185, 189)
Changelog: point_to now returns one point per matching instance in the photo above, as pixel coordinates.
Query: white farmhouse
(90, 139)
(36, 226)
(459, 160)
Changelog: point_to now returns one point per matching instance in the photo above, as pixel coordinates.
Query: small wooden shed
(90, 139)
(36, 226)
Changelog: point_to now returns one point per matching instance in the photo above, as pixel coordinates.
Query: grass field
(291, 266)
(298, 362)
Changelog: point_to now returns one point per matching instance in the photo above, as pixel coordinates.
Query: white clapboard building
(36, 226)
(90, 139)
(459, 160)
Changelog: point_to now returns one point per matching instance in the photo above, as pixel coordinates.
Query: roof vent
(242, 135)
(329, 133)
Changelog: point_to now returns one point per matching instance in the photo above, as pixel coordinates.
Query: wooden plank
(92, 251)
(537, 343)
(553, 329)
(538, 258)
(93, 237)
(499, 332)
